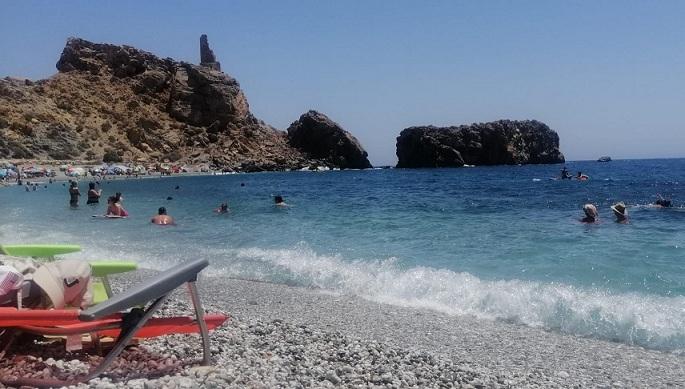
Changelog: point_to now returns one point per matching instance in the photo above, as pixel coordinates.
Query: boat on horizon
(605, 158)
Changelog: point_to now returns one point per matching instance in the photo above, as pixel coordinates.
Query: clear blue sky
(608, 76)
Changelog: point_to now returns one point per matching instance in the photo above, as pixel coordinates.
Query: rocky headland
(119, 103)
(320, 137)
(503, 142)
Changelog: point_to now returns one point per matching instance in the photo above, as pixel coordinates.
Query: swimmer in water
(223, 208)
(581, 176)
(565, 175)
(162, 218)
(620, 212)
(662, 202)
(591, 214)
(114, 207)
(278, 201)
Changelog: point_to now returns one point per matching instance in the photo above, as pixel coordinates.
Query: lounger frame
(157, 290)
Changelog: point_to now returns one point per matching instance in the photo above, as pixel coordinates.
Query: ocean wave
(650, 321)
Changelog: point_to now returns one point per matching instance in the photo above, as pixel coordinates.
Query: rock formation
(319, 137)
(503, 142)
(128, 103)
(207, 58)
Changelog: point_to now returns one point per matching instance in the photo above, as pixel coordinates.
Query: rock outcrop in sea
(503, 142)
(321, 138)
(124, 104)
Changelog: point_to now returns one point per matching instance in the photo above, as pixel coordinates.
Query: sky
(608, 76)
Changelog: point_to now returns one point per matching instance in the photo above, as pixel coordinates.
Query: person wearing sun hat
(591, 214)
(59, 284)
(621, 212)
(65, 283)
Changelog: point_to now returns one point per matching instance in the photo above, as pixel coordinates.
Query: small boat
(606, 158)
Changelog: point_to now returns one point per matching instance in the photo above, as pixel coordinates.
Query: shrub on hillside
(111, 156)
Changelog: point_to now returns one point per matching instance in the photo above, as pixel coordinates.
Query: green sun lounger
(38, 250)
(102, 290)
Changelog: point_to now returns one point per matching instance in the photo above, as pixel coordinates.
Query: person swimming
(162, 218)
(581, 176)
(114, 207)
(278, 201)
(662, 202)
(74, 194)
(620, 212)
(223, 208)
(565, 175)
(93, 194)
(591, 214)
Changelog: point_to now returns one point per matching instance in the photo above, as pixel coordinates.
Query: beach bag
(11, 280)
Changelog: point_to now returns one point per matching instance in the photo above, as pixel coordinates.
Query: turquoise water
(499, 243)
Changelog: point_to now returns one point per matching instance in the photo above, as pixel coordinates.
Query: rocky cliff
(122, 103)
(321, 138)
(504, 142)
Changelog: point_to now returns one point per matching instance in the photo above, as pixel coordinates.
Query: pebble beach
(290, 337)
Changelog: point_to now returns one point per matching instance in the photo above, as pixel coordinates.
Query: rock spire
(207, 58)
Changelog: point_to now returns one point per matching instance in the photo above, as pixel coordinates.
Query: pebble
(265, 352)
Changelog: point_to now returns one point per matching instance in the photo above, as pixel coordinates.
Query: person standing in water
(591, 214)
(162, 218)
(93, 194)
(620, 212)
(74, 194)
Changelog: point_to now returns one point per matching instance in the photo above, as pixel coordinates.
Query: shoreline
(285, 336)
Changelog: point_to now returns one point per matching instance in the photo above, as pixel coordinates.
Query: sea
(499, 243)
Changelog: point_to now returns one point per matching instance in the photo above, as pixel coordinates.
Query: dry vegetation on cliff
(118, 103)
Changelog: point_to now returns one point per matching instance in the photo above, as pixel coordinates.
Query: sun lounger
(38, 250)
(101, 270)
(115, 317)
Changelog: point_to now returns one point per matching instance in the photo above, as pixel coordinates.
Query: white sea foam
(647, 320)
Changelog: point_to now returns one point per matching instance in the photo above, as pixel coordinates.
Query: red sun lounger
(116, 318)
